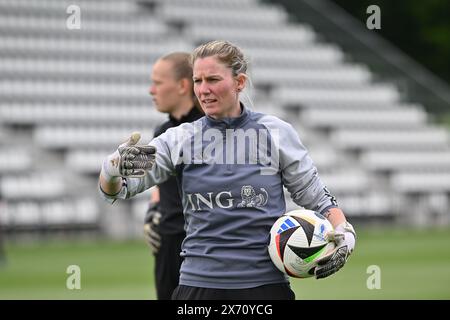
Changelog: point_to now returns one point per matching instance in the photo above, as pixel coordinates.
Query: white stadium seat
(74, 89)
(337, 76)
(83, 211)
(108, 71)
(225, 16)
(346, 181)
(99, 27)
(106, 48)
(86, 161)
(409, 139)
(15, 159)
(36, 186)
(421, 182)
(42, 114)
(37, 214)
(312, 56)
(236, 4)
(407, 160)
(336, 97)
(66, 137)
(286, 36)
(364, 118)
(55, 7)
(24, 213)
(367, 204)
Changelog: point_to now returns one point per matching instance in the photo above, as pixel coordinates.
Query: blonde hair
(226, 52)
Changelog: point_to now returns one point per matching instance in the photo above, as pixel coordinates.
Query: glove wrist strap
(108, 177)
(349, 233)
(346, 227)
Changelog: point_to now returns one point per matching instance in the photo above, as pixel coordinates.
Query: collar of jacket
(193, 115)
(229, 122)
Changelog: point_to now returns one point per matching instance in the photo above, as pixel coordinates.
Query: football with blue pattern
(297, 240)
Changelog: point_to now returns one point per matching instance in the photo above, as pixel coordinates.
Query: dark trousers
(167, 265)
(277, 291)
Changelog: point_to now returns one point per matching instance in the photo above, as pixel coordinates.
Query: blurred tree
(419, 28)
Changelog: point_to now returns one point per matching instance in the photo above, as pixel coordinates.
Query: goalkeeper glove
(151, 228)
(129, 160)
(344, 236)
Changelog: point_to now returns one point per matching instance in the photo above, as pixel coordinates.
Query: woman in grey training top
(232, 165)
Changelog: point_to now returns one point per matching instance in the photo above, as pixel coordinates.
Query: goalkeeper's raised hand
(344, 236)
(129, 160)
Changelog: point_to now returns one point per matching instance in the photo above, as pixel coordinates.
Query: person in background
(172, 92)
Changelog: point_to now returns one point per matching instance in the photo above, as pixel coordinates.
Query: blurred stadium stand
(67, 97)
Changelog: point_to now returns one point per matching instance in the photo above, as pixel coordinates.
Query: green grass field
(414, 265)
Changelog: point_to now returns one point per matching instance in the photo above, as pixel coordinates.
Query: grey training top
(232, 173)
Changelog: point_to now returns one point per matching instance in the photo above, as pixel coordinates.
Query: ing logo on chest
(226, 200)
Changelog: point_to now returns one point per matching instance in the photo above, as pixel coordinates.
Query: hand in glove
(151, 228)
(129, 160)
(344, 236)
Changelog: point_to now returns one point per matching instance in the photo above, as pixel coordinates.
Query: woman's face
(165, 88)
(216, 88)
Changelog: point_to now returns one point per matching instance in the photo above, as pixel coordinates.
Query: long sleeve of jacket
(298, 172)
